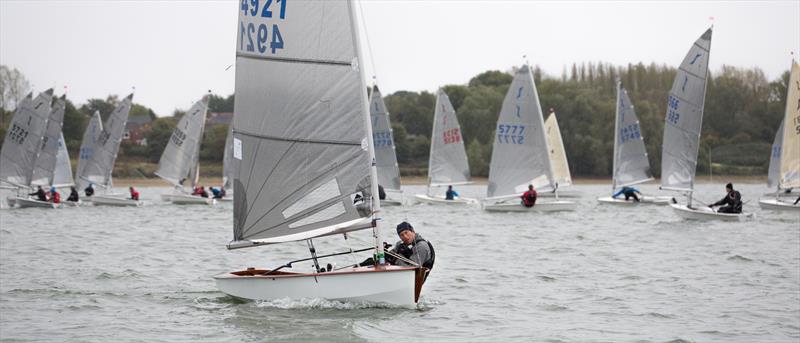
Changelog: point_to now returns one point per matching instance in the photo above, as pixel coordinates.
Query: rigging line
(369, 46)
(324, 174)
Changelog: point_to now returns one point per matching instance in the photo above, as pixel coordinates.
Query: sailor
(216, 192)
(733, 200)
(450, 194)
(89, 191)
(40, 194)
(529, 197)
(134, 193)
(54, 196)
(412, 247)
(73, 194)
(629, 192)
(381, 193)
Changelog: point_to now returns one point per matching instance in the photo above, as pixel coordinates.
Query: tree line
(742, 113)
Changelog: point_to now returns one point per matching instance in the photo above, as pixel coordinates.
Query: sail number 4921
(254, 37)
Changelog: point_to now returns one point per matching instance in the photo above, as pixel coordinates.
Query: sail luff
(227, 162)
(684, 117)
(773, 175)
(616, 138)
(790, 153)
(558, 155)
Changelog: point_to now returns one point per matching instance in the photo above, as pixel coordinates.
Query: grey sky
(174, 51)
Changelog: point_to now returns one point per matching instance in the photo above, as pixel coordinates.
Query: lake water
(602, 273)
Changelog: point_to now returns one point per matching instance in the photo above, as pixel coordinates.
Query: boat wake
(321, 304)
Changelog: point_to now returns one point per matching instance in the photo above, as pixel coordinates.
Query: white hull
(541, 206)
(28, 202)
(228, 198)
(184, 199)
(68, 203)
(651, 200)
(107, 200)
(390, 284)
(705, 213)
(778, 205)
(391, 202)
(790, 195)
(561, 194)
(440, 200)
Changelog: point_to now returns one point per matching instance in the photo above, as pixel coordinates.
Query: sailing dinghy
(447, 164)
(521, 153)
(385, 156)
(304, 155)
(47, 160)
(181, 157)
(784, 172)
(22, 146)
(558, 159)
(684, 121)
(100, 164)
(630, 165)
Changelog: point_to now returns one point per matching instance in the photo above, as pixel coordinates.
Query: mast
(616, 140)
(373, 170)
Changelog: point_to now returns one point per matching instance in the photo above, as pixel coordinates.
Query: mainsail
(62, 176)
(24, 140)
(90, 136)
(520, 154)
(684, 118)
(448, 160)
(790, 154)
(45, 166)
(227, 162)
(773, 175)
(183, 147)
(302, 141)
(386, 159)
(558, 156)
(630, 164)
(104, 153)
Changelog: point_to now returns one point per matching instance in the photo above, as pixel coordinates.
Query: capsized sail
(630, 165)
(302, 138)
(448, 159)
(684, 118)
(558, 156)
(520, 154)
(790, 153)
(227, 162)
(84, 175)
(385, 157)
(107, 144)
(45, 166)
(23, 139)
(183, 147)
(62, 176)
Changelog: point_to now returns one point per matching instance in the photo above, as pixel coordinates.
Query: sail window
(326, 191)
(331, 212)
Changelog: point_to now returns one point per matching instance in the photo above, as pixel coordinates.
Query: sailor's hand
(386, 246)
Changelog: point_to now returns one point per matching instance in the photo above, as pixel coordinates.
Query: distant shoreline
(422, 180)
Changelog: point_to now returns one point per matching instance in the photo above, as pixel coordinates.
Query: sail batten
(684, 117)
(520, 152)
(301, 135)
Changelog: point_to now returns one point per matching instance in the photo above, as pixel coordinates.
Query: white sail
(385, 157)
(23, 139)
(227, 162)
(558, 156)
(684, 118)
(630, 164)
(302, 141)
(773, 175)
(790, 154)
(448, 160)
(180, 156)
(85, 176)
(520, 154)
(62, 176)
(105, 149)
(45, 166)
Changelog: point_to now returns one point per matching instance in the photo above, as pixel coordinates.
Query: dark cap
(729, 186)
(404, 226)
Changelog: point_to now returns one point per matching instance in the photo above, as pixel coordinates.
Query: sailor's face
(407, 236)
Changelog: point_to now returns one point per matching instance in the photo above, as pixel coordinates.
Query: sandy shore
(422, 180)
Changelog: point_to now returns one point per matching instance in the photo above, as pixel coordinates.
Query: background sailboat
(385, 157)
(100, 165)
(303, 152)
(44, 169)
(558, 159)
(784, 171)
(83, 177)
(447, 164)
(227, 167)
(180, 159)
(630, 165)
(521, 153)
